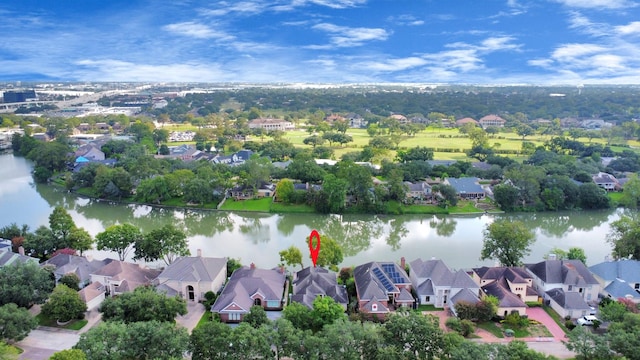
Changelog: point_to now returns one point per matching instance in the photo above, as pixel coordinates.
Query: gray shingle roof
(568, 272)
(627, 270)
(621, 289)
(246, 282)
(78, 265)
(500, 290)
(439, 274)
(468, 185)
(465, 295)
(8, 258)
(570, 300)
(194, 269)
(369, 285)
(313, 281)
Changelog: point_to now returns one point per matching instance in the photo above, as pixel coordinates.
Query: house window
(427, 299)
(374, 307)
(570, 287)
(637, 286)
(234, 316)
(257, 302)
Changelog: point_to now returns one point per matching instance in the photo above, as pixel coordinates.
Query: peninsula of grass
(255, 205)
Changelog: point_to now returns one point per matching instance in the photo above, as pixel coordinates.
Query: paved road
(44, 341)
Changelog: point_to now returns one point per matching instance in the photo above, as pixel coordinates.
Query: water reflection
(258, 237)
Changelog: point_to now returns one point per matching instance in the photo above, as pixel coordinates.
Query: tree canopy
(24, 284)
(143, 304)
(625, 237)
(15, 323)
(166, 243)
(507, 241)
(64, 304)
(118, 238)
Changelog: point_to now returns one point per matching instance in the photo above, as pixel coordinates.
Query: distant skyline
(323, 41)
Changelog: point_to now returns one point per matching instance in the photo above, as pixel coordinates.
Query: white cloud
(406, 20)
(223, 8)
(598, 4)
(343, 36)
(570, 52)
(336, 4)
(116, 70)
(632, 28)
(579, 21)
(199, 31)
(396, 64)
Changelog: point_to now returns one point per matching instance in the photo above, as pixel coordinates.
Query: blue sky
(323, 41)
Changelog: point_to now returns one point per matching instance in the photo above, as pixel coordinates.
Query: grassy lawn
(615, 197)
(554, 315)
(491, 327)
(261, 205)
(394, 207)
(465, 207)
(178, 202)
(278, 207)
(428, 307)
(206, 317)
(74, 325)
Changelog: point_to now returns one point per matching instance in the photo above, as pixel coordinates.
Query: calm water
(259, 237)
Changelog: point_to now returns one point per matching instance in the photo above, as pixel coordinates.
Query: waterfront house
(437, 285)
(467, 188)
(619, 279)
(492, 120)
(190, 277)
(119, 277)
(249, 286)
(381, 287)
(606, 181)
(311, 282)
(83, 267)
(512, 286)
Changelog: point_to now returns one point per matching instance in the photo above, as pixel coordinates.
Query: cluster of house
(568, 286)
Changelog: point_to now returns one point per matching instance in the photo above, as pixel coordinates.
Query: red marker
(314, 251)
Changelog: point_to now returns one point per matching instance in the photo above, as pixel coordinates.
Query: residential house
(191, 277)
(568, 276)
(311, 282)
(467, 188)
(236, 159)
(119, 277)
(418, 192)
(356, 121)
(467, 120)
(567, 303)
(244, 192)
(249, 286)
(84, 127)
(102, 126)
(8, 257)
(491, 120)
(93, 295)
(400, 118)
(183, 152)
(512, 286)
(606, 181)
(595, 124)
(90, 152)
(83, 267)
(382, 287)
(437, 285)
(271, 124)
(619, 279)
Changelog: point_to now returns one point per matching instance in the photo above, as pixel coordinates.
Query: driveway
(192, 317)
(538, 313)
(44, 341)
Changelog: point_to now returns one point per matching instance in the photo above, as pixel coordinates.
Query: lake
(258, 237)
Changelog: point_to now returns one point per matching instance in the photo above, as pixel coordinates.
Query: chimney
(282, 269)
(402, 263)
(21, 250)
(199, 251)
(252, 266)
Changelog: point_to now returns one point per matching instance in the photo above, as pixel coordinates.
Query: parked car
(588, 320)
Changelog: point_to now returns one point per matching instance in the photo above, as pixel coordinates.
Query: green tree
(414, 335)
(625, 237)
(325, 312)
(330, 254)
(24, 284)
(624, 336)
(334, 192)
(140, 340)
(80, 239)
(417, 153)
(61, 225)
(593, 197)
(71, 280)
(291, 256)
(166, 243)
(256, 316)
(507, 241)
(284, 190)
(588, 345)
(64, 304)
(210, 341)
(577, 253)
(41, 243)
(448, 195)
(233, 265)
(506, 196)
(299, 315)
(631, 190)
(118, 238)
(15, 323)
(198, 191)
(69, 354)
(613, 311)
(143, 304)
(247, 342)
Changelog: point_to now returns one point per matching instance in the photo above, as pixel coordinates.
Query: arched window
(257, 301)
(191, 294)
